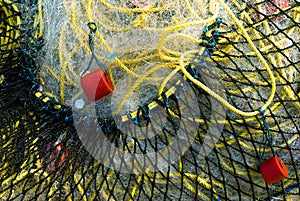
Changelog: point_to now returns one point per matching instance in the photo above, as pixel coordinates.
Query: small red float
(273, 170)
(96, 85)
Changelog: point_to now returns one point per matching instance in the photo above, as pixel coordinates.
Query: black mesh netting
(204, 93)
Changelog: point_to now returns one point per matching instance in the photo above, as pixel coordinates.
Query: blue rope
(286, 190)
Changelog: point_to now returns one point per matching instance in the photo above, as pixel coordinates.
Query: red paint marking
(269, 8)
(52, 161)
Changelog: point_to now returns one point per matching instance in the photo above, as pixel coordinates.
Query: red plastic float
(96, 85)
(273, 170)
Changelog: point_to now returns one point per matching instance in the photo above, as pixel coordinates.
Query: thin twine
(93, 28)
(267, 138)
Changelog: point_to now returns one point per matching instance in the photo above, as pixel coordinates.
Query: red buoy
(273, 170)
(96, 85)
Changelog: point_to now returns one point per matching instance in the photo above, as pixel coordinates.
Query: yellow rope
(63, 68)
(167, 54)
(137, 83)
(219, 98)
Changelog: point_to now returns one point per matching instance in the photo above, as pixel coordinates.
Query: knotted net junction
(255, 55)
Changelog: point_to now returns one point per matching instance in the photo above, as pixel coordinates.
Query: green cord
(267, 138)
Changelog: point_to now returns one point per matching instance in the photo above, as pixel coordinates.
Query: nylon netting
(205, 91)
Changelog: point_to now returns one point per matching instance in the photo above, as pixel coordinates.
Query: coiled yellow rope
(169, 57)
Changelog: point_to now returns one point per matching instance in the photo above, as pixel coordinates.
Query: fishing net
(149, 100)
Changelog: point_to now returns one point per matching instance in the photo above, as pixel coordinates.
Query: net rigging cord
(202, 100)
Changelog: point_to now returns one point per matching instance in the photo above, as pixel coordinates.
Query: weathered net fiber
(238, 64)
